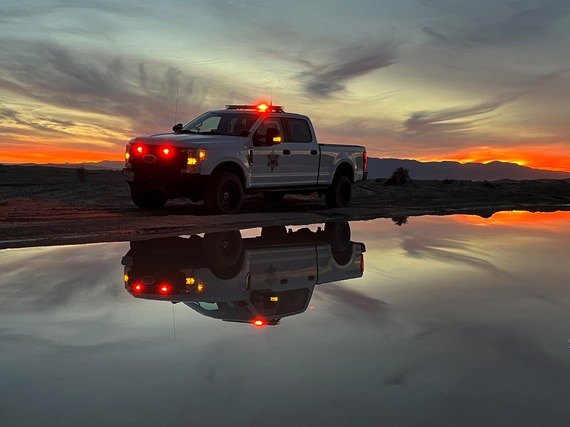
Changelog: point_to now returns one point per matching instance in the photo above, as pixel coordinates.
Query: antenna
(271, 96)
(176, 109)
(173, 323)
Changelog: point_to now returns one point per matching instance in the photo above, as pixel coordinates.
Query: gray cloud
(494, 22)
(346, 64)
(449, 120)
(142, 92)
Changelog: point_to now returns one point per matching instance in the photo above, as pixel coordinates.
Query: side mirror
(272, 136)
(177, 127)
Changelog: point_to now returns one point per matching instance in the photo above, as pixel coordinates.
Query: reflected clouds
(51, 278)
(379, 344)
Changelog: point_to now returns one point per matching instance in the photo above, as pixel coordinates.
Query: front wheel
(339, 193)
(224, 194)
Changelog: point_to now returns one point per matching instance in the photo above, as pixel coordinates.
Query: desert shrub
(400, 176)
(81, 174)
(400, 220)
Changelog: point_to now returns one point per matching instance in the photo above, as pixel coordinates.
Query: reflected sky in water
(457, 320)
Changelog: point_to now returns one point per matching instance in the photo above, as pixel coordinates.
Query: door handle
(286, 152)
(314, 152)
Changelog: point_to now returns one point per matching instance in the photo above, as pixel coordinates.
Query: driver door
(266, 167)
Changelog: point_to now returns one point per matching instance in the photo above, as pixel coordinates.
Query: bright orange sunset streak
(42, 155)
(556, 161)
(518, 218)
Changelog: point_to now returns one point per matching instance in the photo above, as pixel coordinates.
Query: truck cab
(223, 154)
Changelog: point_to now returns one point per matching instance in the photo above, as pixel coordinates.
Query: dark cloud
(107, 85)
(495, 22)
(457, 119)
(346, 64)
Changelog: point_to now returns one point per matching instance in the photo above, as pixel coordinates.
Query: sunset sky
(418, 79)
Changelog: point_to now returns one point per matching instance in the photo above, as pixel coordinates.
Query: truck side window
(299, 130)
(270, 122)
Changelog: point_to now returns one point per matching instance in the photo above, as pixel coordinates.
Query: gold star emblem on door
(272, 161)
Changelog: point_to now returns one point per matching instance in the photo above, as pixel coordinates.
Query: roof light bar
(260, 107)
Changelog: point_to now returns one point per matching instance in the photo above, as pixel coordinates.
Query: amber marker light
(200, 288)
(274, 299)
(190, 281)
(126, 278)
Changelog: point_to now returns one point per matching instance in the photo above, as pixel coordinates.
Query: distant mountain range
(383, 168)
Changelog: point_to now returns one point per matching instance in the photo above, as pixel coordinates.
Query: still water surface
(458, 320)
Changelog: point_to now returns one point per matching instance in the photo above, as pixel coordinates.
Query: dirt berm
(42, 205)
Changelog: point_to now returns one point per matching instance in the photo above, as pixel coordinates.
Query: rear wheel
(339, 193)
(224, 194)
(149, 198)
(224, 250)
(338, 235)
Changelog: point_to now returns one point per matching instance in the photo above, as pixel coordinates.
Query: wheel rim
(229, 195)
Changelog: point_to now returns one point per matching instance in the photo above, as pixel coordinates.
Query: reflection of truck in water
(252, 280)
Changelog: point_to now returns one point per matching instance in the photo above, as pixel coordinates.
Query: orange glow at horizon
(44, 154)
(533, 158)
(516, 218)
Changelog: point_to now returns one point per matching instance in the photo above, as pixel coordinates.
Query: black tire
(338, 235)
(224, 194)
(339, 193)
(224, 252)
(148, 198)
(273, 196)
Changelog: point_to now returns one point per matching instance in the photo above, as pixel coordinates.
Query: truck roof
(260, 109)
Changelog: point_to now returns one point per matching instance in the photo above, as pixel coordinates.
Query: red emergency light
(164, 288)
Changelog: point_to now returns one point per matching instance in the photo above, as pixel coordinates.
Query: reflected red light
(259, 322)
(365, 161)
(164, 289)
(362, 263)
(137, 287)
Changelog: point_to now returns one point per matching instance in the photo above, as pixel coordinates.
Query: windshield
(221, 123)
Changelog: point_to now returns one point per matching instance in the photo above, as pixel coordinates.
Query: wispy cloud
(509, 22)
(345, 64)
(139, 92)
(455, 119)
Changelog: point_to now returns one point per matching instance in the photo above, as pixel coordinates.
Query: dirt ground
(42, 205)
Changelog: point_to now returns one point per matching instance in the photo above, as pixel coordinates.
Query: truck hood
(183, 140)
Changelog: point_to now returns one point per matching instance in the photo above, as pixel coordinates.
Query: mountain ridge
(384, 167)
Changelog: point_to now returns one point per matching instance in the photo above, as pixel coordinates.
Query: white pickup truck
(257, 280)
(223, 154)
